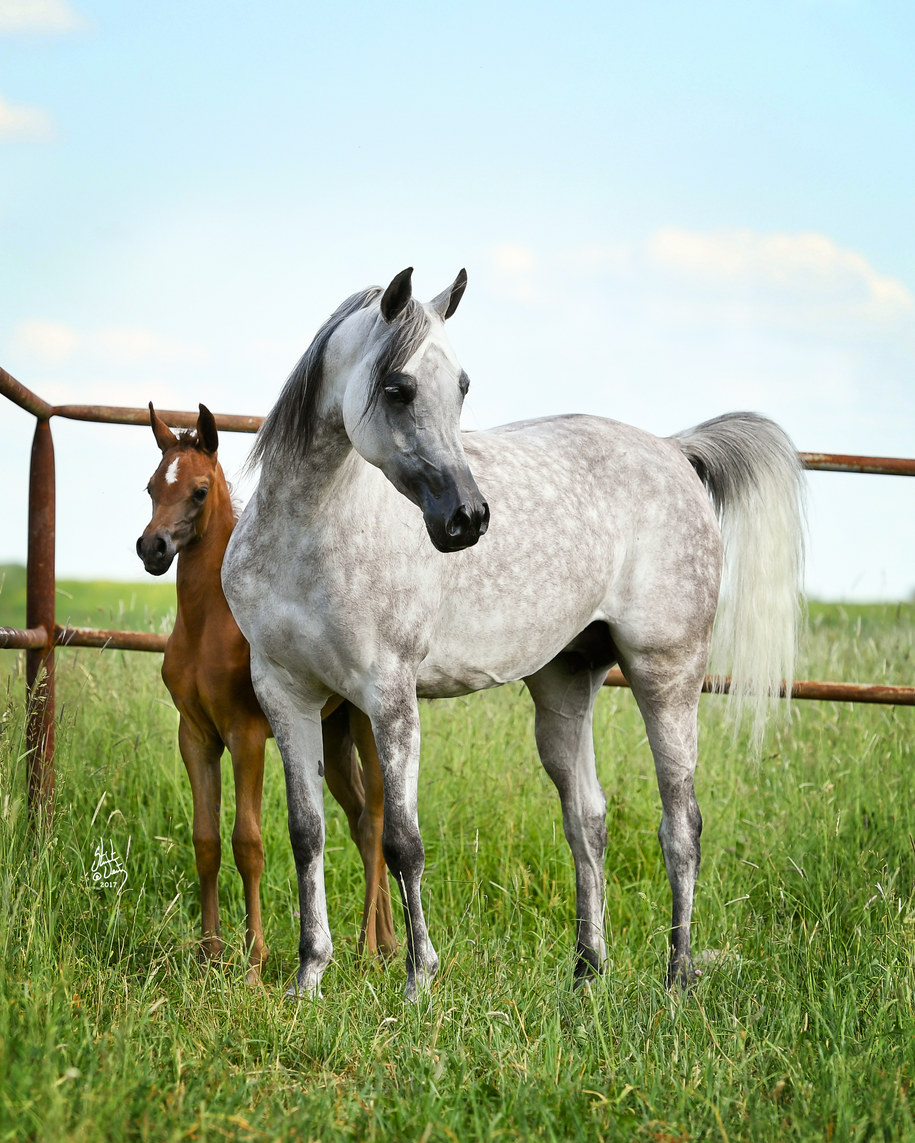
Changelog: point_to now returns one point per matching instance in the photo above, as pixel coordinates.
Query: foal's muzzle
(157, 551)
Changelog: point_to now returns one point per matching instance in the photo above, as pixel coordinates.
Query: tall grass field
(801, 1028)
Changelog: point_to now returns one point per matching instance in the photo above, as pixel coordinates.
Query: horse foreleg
(247, 750)
(670, 710)
(564, 700)
(201, 754)
(396, 730)
(296, 724)
(377, 922)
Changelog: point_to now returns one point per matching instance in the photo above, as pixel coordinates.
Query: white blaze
(171, 473)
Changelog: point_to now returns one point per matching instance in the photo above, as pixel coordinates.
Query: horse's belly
(441, 679)
(474, 651)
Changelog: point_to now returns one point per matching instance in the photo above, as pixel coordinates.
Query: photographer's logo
(108, 872)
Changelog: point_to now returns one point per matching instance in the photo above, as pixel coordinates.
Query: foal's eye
(400, 389)
(149, 490)
(199, 494)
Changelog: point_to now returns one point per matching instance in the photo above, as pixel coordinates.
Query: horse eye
(400, 389)
(200, 494)
(149, 490)
(463, 383)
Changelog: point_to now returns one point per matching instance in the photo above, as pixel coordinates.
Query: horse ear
(165, 438)
(397, 295)
(207, 436)
(447, 301)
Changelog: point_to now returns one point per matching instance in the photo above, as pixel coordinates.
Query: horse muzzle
(156, 550)
(461, 528)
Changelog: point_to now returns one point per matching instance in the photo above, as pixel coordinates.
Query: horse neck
(199, 582)
(306, 487)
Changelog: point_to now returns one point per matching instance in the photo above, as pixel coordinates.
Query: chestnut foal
(207, 671)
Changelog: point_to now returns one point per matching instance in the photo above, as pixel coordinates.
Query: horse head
(179, 489)
(402, 406)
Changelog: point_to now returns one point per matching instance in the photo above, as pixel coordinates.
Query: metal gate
(42, 634)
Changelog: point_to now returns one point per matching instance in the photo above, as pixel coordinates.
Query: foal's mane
(287, 433)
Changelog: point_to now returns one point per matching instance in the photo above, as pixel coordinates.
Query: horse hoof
(296, 993)
(682, 977)
(419, 983)
(307, 986)
(208, 952)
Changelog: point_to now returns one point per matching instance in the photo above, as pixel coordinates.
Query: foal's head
(181, 490)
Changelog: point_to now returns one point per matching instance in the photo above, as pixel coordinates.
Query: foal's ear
(207, 436)
(165, 438)
(447, 301)
(397, 295)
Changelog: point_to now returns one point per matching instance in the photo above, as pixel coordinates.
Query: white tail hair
(755, 478)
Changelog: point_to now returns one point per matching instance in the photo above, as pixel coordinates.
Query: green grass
(95, 603)
(803, 1026)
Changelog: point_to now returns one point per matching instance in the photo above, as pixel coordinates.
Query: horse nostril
(140, 547)
(459, 522)
(484, 517)
(160, 546)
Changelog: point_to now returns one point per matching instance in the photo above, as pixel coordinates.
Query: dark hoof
(682, 975)
(587, 970)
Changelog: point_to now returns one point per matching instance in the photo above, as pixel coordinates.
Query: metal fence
(42, 634)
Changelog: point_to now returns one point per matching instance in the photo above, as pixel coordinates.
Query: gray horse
(606, 545)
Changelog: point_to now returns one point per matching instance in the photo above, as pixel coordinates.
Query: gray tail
(756, 481)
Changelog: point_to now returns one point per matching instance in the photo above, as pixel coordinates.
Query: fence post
(40, 612)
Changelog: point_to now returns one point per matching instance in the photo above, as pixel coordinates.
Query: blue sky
(666, 211)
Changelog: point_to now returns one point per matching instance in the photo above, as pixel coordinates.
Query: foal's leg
(564, 700)
(378, 924)
(201, 753)
(296, 723)
(396, 729)
(344, 780)
(668, 697)
(246, 746)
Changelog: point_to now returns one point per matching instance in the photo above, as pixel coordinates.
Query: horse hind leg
(247, 750)
(564, 692)
(667, 693)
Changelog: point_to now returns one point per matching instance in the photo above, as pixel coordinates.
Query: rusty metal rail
(801, 689)
(42, 634)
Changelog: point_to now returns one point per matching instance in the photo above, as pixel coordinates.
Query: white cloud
(24, 122)
(53, 342)
(38, 16)
(126, 394)
(810, 268)
(48, 341)
(514, 270)
(512, 259)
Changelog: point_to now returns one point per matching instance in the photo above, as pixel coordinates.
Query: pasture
(802, 1027)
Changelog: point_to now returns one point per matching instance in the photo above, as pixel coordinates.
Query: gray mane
(287, 433)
